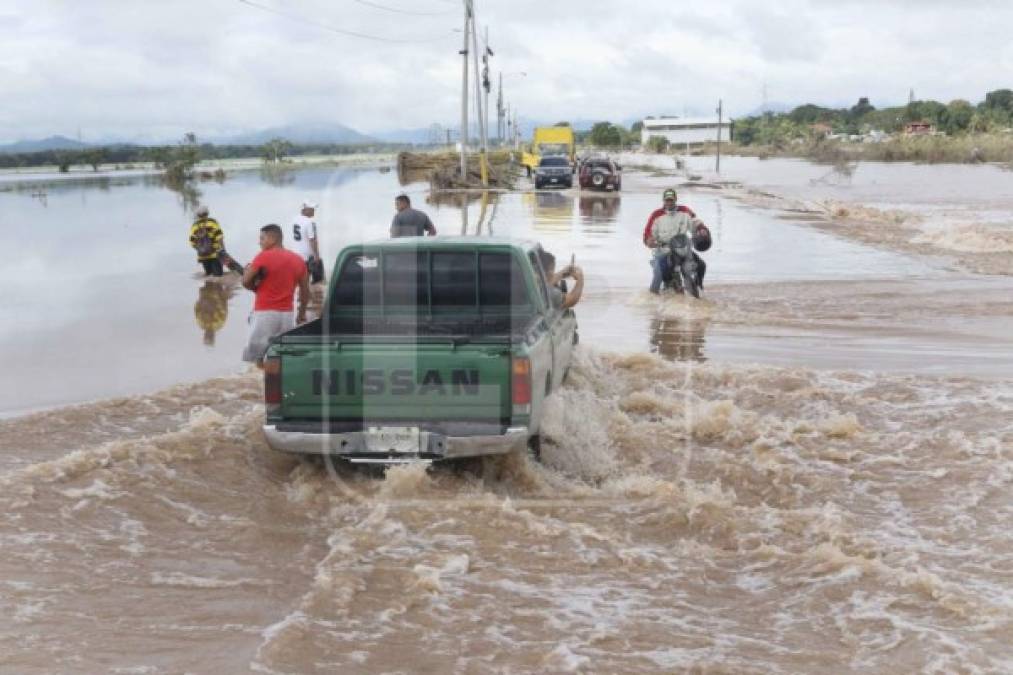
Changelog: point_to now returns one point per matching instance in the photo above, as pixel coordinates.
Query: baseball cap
(309, 205)
(669, 194)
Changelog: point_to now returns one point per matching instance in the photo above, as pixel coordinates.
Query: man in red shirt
(273, 276)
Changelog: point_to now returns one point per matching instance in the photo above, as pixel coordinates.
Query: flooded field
(807, 471)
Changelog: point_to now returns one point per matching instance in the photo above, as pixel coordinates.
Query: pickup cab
(427, 349)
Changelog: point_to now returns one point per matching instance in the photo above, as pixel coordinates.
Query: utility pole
(486, 84)
(464, 93)
(499, 111)
(717, 162)
(483, 165)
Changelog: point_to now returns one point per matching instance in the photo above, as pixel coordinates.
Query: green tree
(94, 157)
(561, 124)
(159, 156)
(275, 150)
(63, 160)
(744, 130)
(924, 111)
(999, 99)
(861, 109)
(605, 135)
(180, 160)
(808, 114)
(957, 117)
(657, 144)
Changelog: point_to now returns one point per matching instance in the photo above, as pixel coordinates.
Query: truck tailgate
(397, 381)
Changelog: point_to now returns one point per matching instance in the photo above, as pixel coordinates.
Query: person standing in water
(305, 242)
(274, 275)
(208, 240)
(409, 222)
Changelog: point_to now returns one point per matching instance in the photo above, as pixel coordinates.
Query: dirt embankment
(443, 170)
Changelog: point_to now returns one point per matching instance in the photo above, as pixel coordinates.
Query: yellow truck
(546, 142)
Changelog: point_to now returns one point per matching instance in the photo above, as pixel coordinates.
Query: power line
(340, 31)
(396, 10)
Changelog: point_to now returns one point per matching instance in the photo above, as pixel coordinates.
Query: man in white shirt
(304, 241)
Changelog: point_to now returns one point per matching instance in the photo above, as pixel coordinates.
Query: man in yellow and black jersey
(207, 238)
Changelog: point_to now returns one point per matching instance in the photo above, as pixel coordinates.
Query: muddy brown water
(808, 471)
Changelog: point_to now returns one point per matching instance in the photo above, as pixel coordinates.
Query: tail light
(520, 384)
(272, 381)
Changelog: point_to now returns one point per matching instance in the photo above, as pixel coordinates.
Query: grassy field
(929, 149)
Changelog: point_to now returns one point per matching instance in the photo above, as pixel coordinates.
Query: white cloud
(158, 69)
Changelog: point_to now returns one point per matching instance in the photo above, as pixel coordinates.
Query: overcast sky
(152, 70)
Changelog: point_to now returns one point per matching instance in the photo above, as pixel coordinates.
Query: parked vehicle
(549, 142)
(553, 171)
(600, 174)
(426, 349)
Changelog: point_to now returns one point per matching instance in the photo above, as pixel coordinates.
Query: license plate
(553, 180)
(392, 439)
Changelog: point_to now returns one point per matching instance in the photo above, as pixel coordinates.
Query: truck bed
(492, 328)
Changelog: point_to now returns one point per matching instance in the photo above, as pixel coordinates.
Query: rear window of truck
(432, 281)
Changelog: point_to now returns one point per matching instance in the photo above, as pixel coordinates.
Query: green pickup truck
(427, 349)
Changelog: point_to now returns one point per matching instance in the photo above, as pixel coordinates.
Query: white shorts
(265, 325)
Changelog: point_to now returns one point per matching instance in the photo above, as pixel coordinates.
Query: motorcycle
(682, 272)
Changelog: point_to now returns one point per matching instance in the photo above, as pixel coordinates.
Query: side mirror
(556, 299)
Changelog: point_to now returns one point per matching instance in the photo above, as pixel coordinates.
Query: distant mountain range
(50, 143)
(298, 133)
(307, 134)
(294, 133)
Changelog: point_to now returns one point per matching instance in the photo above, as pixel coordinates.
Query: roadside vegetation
(168, 156)
(921, 131)
(607, 135)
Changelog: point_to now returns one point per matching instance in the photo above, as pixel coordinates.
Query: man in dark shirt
(409, 222)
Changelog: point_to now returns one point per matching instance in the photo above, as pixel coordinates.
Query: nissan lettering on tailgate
(427, 349)
(401, 382)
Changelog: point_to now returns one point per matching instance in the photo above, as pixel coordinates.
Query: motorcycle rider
(663, 224)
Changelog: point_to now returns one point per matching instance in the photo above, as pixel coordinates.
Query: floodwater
(807, 471)
(105, 299)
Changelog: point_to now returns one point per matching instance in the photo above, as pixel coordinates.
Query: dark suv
(601, 174)
(553, 171)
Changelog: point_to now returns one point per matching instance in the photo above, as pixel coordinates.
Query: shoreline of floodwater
(50, 174)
